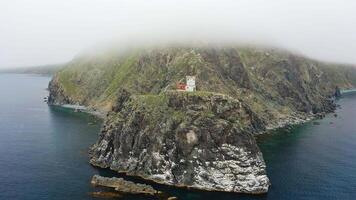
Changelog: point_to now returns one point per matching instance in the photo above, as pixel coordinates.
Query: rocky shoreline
(194, 141)
(80, 108)
(225, 174)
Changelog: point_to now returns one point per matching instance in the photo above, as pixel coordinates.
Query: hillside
(202, 139)
(274, 83)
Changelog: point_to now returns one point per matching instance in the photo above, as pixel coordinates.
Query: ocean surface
(43, 152)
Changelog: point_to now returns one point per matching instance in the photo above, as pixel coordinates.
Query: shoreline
(80, 108)
(282, 123)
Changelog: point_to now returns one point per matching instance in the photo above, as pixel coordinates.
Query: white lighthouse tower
(190, 83)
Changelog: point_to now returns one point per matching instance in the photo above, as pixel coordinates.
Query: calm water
(43, 152)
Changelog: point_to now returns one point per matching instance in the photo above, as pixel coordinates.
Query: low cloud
(42, 32)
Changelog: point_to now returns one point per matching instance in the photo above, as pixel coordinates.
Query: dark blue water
(314, 161)
(43, 152)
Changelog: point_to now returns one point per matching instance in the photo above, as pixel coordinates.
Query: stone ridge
(198, 140)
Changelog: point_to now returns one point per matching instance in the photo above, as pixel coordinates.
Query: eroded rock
(121, 185)
(165, 138)
(104, 194)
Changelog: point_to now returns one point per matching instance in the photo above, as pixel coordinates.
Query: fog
(41, 32)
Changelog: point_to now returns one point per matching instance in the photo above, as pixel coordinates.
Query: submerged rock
(316, 123)
(198, 140)
(121, 185)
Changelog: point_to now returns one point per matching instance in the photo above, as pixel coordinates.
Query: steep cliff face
(200, 140)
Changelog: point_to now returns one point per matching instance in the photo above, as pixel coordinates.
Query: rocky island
(199, 140)
(121, 185)
(203, 139)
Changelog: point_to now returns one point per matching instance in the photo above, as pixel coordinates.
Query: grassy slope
(272, 82)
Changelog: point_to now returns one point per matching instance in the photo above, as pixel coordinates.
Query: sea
(44, 152)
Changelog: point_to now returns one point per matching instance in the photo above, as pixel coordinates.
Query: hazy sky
(35, 32)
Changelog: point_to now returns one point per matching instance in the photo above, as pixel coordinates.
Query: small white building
(190, 87)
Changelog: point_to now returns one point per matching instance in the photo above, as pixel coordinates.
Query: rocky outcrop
(337, 93)
(104, 194)
(199, 140)
(57, 95)
(121, 185)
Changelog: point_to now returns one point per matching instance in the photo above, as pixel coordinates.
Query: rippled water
(43, 152)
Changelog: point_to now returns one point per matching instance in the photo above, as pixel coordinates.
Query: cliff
(200, 140)
(203, 139)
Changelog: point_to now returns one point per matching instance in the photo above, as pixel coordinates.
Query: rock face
(57, 95)
(337, 93)
(199, 140)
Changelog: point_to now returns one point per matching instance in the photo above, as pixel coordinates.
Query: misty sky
(36, 32)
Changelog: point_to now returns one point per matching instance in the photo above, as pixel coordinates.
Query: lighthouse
(190, 87)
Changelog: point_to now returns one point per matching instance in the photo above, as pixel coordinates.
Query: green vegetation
(272, 82)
